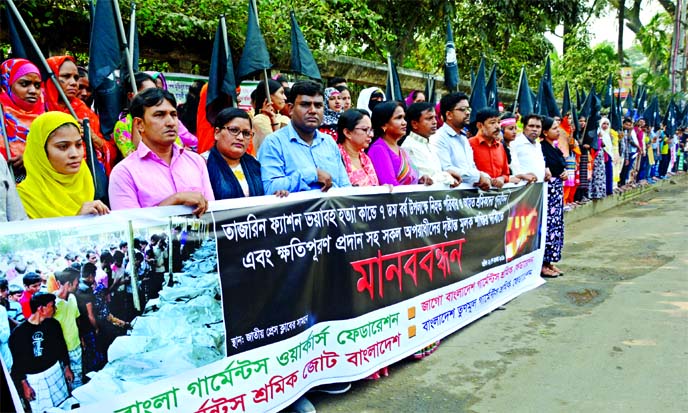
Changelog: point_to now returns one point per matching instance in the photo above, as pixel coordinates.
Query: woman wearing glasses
(354, 134)
(233, 172)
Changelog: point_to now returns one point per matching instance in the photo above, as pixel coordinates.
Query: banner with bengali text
(316, 290)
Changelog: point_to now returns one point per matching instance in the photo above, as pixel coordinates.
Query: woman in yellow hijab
(58, 182)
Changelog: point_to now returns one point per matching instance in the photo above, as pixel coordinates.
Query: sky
(606, 28)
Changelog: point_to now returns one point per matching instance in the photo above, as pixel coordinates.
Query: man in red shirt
(488, 154)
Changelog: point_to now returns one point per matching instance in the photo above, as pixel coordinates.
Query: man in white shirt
(421, 118)
(526, 148)
(450, 143)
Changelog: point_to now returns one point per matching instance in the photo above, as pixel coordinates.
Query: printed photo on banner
(137, 301)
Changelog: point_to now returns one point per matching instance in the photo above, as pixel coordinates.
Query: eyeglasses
(233, 131)
(367, 131)
(463, 109)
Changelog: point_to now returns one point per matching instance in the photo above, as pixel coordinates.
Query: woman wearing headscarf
(609, 153)
(58, 183)
(569, 147)
(21, 103)
(415, 96)
(67, 74)
(333, 108)
(369, 98)
(598, 182)
(556, 163)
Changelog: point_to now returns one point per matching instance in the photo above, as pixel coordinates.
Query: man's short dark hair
(415, 111)
(68, 275)
(106, 258)
(88, 270)
(530, 116)
(450, 101)
(485, 114)
(118, 258)
(335, 80)
(627, 120)
(149, 98)
(40, 299)
(305, 88)
(31, 278)
(4, 284)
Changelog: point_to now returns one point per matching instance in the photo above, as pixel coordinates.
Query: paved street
(609, 336)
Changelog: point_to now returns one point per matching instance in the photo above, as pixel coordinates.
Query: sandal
(555, 269)
(548, 273)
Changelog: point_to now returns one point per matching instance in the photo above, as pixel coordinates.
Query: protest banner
(279, 296)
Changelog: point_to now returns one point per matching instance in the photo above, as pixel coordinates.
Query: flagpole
(265, 71)
(44, 62)
(51, 75)
(123, 35)
(132, 33)
(518, 90)
(3, 130)
(390, 77)
(223, 23)
(90, 152)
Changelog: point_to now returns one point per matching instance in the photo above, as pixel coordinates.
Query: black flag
(478, 100)
(491, 90)
(255, 56)
(451, 67)
(105, 57)
(524, 96)
(302, 60)
(221, 82)
(21, 44)
(393, 91)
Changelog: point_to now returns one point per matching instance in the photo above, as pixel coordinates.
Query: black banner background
(326, 289)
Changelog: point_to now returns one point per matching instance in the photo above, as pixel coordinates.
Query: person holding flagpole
(68, 76)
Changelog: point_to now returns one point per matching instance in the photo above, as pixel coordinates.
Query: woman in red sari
(21, 103)
(68, 76)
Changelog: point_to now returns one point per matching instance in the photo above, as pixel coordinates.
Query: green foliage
(654, 40)
(176, 33)
(584, 66)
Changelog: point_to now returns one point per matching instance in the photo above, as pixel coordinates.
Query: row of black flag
(485, 94)
(112, 50)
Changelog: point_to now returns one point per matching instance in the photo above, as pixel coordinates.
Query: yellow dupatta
(45, 192)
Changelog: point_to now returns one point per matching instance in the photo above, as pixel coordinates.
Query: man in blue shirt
(298, 157)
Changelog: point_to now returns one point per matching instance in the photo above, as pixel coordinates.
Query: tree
(632, 14)
(654, 40)
(583, 66)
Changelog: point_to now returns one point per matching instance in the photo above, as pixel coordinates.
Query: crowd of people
(297, 137)
(78, 303)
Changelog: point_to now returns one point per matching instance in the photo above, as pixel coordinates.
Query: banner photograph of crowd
(155, 256)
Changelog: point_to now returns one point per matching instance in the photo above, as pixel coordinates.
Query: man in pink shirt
(159, 172)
